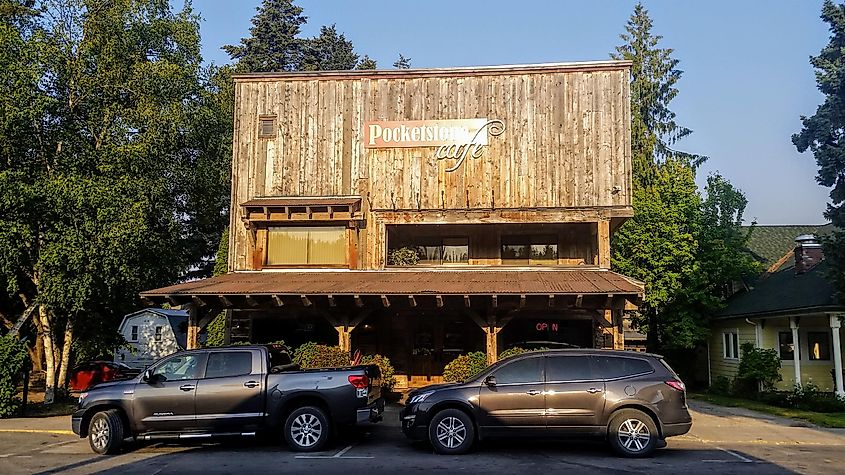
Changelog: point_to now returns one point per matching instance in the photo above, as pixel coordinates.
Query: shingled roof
(770, 243)
(785, 292)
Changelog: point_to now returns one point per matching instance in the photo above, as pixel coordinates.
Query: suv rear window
(568, 368)
(611, 367)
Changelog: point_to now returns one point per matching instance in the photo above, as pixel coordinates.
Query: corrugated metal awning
(593, 283)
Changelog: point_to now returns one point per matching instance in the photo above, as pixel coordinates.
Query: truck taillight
(360, 381)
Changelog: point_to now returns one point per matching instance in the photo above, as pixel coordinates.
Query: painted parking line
(340, 455)
(38, 431)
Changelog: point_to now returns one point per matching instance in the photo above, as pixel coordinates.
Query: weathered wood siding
(566, 142)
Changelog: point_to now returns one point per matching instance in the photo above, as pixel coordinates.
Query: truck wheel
(307, 429)
(105, 432)
(632, 433)
(451, 432)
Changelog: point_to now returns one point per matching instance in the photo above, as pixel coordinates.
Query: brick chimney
(808, 253)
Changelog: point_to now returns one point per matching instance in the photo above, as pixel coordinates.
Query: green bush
(404, 256)
(314, 355)
(216, 330)
(12, 360)
(465, 366)
(720, 385)
(388, 380)
(757, 367)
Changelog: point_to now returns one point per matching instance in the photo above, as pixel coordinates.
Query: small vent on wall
(266, 126)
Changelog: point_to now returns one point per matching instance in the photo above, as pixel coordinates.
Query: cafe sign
(456, 139)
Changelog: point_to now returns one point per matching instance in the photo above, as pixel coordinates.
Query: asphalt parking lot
(722, 440)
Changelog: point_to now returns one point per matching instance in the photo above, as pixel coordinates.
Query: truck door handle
(187, 387)
(251, 384)
(594, 390)
(533, 392)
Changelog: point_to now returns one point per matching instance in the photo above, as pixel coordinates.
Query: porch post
(492, 333)
(835, 325)
(344, 337)
(192, 342)
(796, 346)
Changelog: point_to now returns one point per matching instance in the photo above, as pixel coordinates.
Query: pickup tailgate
(374, 389)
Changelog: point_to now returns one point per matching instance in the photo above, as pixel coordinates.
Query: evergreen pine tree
(822, 134)
(273, 44)
(328, 51)
(402, 62)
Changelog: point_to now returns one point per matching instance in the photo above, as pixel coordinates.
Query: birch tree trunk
(66, 347)
(49, 354)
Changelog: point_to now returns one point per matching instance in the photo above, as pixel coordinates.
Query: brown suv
(633, 400)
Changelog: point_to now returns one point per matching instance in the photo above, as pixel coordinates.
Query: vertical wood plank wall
(566, 144)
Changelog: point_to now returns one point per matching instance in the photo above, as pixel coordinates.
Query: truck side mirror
(147, 377)
(490, 381)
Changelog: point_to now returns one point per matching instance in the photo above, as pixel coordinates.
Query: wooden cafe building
(425, 213)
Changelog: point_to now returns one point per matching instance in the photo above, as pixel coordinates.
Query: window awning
(578, 288)
(301, 208)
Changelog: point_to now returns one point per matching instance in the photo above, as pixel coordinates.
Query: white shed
(152, 333)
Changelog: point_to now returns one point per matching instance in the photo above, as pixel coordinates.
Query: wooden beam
(147, 301)
(251, 301)
(522, 299)
(225, 301)
(439, 299)
(412, 301)
(305, 300)
(385, 301)
(210, 315)
(478, 321)
(579, 300)
(608, 303)
(358, 302)
(332, 303)
(495, 300)
(198, 301)
(603, 237)
(467, 302)
(173, 301)
(278, 301)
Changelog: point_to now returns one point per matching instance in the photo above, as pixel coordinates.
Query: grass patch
(824, 419)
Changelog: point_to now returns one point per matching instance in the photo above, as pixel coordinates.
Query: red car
(88, 374)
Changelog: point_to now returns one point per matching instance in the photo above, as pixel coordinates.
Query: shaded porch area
(420, 319)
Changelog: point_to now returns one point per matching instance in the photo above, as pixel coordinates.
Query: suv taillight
(360, 381)
(676, 385)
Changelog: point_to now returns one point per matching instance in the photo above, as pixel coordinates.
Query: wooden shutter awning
(302, 208)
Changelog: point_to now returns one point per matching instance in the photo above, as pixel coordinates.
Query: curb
(38, 431)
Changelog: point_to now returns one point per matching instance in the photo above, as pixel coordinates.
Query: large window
(315, 246)
(818, 346)
(436, 251)
(529, 250)
(180, 367)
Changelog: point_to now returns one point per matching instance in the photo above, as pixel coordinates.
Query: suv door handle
(187, 387)
(251, 384)
(533, 392)
(594, 390)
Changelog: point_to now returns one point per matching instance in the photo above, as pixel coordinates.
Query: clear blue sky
(746, 78)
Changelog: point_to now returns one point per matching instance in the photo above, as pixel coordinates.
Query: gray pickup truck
(235, 390)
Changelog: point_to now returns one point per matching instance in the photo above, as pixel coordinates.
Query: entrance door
(574, 395)
(516, 404)
(166, 402)
(230, 395)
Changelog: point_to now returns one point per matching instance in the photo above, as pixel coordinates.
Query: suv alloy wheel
(451, 432)
(632, 433)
